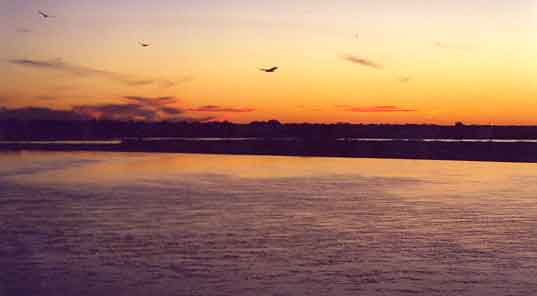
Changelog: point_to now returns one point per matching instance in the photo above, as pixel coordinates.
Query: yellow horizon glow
(477, 68)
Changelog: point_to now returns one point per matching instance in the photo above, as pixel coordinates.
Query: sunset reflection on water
(135, 223)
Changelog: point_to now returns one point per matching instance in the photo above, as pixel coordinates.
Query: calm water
(172, 224)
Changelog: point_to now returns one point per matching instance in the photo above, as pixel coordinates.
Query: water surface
(173, 224)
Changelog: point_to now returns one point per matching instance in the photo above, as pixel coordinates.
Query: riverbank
(473, 151)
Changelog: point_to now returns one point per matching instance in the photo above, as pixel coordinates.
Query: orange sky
(427, 61)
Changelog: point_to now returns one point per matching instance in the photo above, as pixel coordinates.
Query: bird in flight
(144, 44)
(44, 15)
(269, 70)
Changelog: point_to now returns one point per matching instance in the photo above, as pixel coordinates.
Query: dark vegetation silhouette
(274, 138)
(80, 129)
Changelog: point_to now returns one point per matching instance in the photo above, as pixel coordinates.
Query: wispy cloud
(156, 102)
(404, 79)
(449, 46)
(45, 98)
(442, 45)
(374, 109)
(310, 108)
(23, 30)
(362, 61)
(220, 109)
(82, 71)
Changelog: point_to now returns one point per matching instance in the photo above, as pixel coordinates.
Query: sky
(382, 61)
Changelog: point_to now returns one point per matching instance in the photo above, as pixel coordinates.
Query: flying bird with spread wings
(44, 15)
(144, 44)
(269, 70)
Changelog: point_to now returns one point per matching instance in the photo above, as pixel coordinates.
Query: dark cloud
(120, 112)
(215, 108)
(374, 109)
(135, 108)
(38, 113)
(203, 119)
(82, 71)
(117, 112)
(170, 111)
(129, 111)
(362, 61)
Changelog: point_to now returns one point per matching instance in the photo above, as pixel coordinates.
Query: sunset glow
(340, 61)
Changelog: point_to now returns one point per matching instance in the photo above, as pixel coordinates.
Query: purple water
(173, 224)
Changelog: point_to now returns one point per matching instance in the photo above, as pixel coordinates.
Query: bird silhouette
(144, 44)
(269, 70)
(44, 15)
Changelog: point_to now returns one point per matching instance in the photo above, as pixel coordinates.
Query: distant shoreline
(396, 149)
